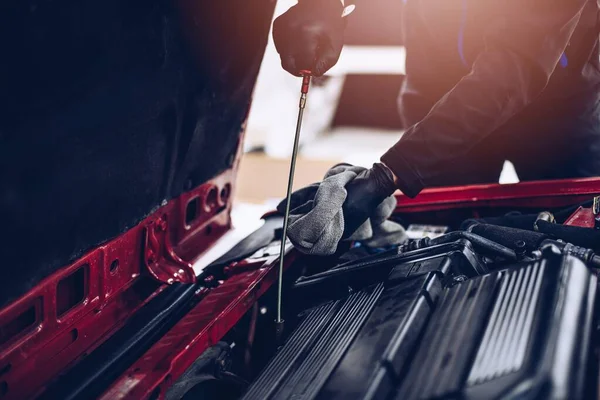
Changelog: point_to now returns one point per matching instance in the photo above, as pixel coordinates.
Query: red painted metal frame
(549, 194)
(223, 307)
(219, 310)
(115, 286)
(583, 218)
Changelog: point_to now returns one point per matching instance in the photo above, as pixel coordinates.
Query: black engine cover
(524, 331)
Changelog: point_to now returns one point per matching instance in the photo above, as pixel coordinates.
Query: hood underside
(109, 108)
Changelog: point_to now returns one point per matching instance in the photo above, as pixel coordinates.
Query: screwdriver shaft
(305, 85)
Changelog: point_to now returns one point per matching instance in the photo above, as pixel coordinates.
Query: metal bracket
(596, 212)
(160, 258)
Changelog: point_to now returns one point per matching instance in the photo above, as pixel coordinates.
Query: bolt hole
(191, 211)
(225, 192)
(5, 369)
(74, 335)
(208, 230)
(114, 266)
(3, 389)
(212, 198)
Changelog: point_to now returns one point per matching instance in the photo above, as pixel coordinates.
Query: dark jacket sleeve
(522, 49)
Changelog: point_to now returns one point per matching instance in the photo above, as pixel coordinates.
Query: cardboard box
(262, 178)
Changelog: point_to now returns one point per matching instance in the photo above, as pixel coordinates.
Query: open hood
(108, 109)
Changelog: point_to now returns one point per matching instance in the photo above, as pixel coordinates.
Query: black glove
(365, 194)
(310, 36)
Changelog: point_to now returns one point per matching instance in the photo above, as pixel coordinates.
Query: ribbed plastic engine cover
(522, 331)
(310, 355)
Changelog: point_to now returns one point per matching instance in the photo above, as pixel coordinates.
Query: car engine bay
(479, 309)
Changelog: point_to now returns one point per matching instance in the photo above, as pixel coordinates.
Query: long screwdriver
(306, 75)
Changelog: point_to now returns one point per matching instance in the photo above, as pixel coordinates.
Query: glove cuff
(409, 182)
(385, 179)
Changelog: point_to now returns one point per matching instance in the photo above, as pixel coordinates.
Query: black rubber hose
(584, 237)
(478, 241)
(585, 254)
(524, 221)
(509, 236)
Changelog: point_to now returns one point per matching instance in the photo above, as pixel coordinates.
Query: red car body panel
(101, 290)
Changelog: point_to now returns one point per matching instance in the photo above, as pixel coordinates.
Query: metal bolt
(520, 248)
(544, 216)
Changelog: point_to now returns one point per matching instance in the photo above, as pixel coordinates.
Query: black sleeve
(522, 49)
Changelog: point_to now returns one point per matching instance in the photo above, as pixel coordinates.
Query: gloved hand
(365, 193)
(310, 36)
(337, 209)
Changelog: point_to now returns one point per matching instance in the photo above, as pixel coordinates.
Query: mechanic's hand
(310, 36)
(365, 193)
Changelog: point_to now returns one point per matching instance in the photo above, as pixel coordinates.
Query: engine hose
(586, 255)
(583, 237)
(478, 241)
(509, 236)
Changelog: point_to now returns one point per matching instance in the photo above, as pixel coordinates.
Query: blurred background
(351, 113)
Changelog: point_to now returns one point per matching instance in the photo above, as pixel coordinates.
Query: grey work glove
(310, 36)
(364, 194)
(318, 220)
